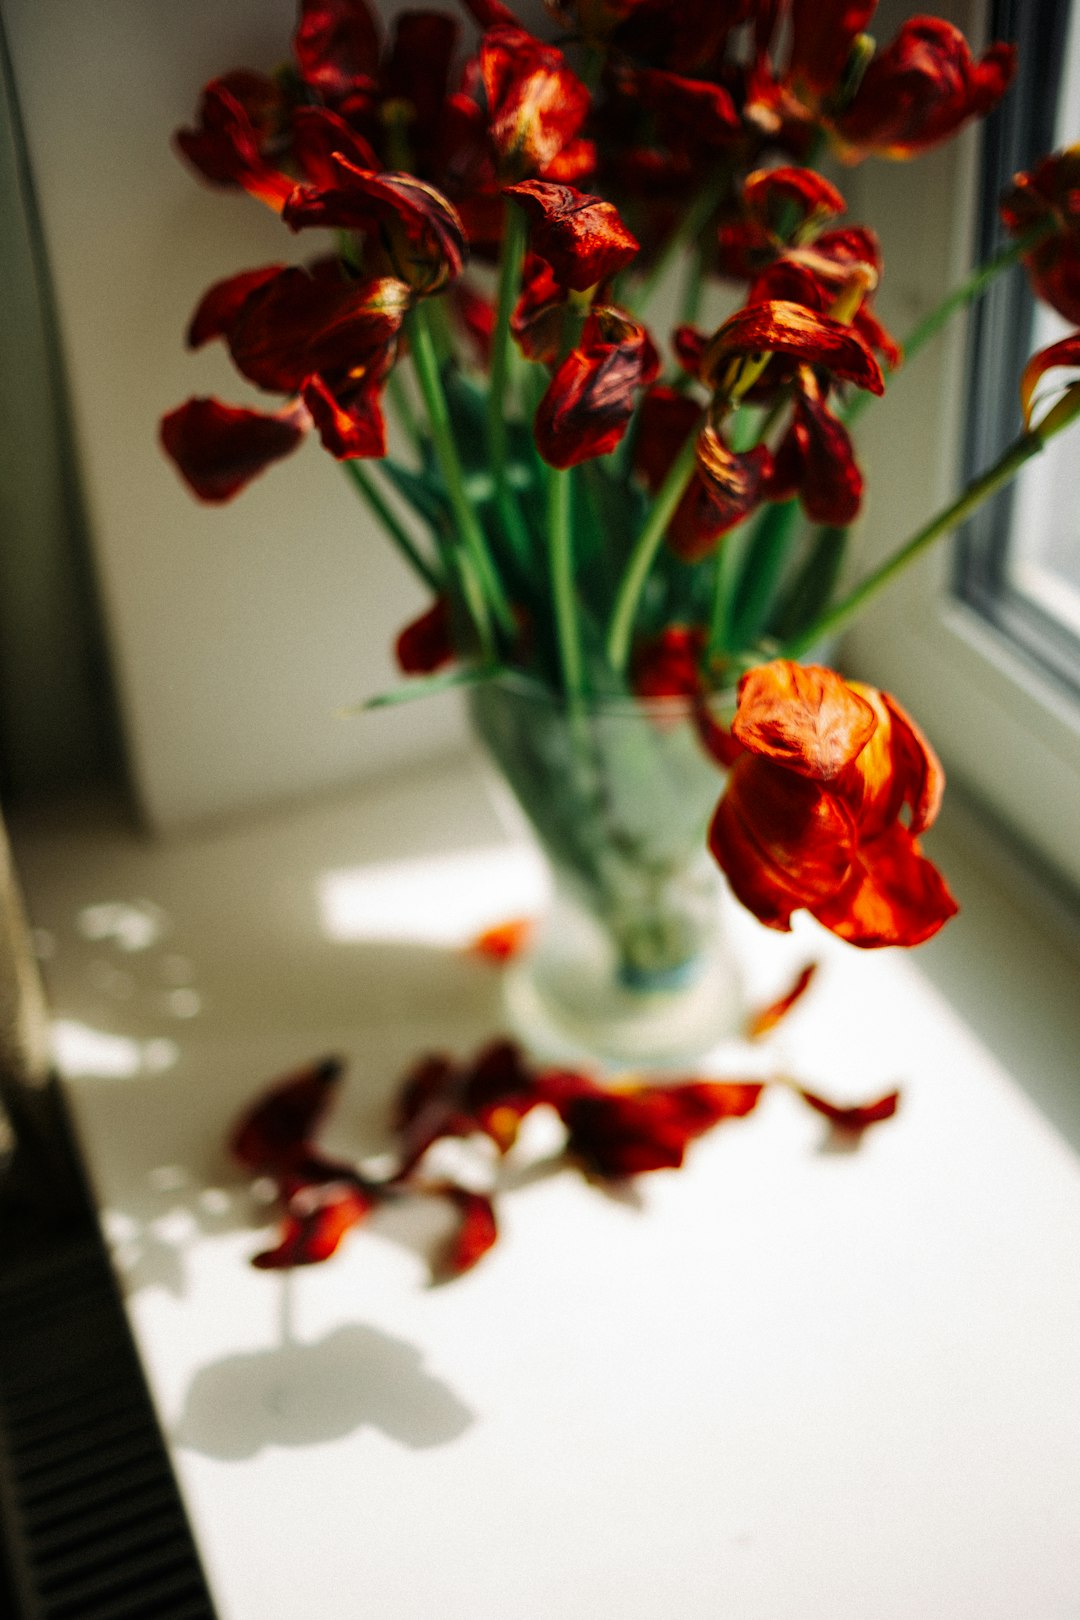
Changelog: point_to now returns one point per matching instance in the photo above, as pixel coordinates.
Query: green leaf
(421, 686)
(423, 491)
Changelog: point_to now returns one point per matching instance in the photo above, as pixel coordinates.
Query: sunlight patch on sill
(442, 900)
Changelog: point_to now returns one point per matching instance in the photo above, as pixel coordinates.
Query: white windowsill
(790, 1382)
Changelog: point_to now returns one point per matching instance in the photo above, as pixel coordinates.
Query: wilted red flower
(779, 326)
(776, 207)
(920, 90)
(1049, 196)
(685, 110)
(336, 46)
(235, 142)
(812, 813)
(313, 333)
(219, 448)
(426, 644)
(590, 399)
(535, 107)
(419, 230)
(581, 237)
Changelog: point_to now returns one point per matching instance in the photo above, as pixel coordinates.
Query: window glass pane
(1043, 554)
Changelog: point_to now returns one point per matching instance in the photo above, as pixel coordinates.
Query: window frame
(1008, 730)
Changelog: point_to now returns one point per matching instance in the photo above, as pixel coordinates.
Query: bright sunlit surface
(442, 900)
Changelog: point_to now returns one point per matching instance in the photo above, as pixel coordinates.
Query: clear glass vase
(631, 965)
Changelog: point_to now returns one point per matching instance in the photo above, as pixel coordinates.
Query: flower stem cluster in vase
(632, 531)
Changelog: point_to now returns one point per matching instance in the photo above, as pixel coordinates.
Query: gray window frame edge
(1000, 341)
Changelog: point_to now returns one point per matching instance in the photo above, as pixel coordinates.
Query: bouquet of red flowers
(605, 505)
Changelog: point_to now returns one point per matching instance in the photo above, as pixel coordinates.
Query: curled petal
(581, 237)
(424, 231)
(782, 842)
(316, 1220)
(629, 1133)
(221, 304)
(504, 941)
(781, 327)
(790, 196)
(319, 133)
(1066, 352)
(920, 89)
(765, 1020)
(350, 424)
(803, 717)
(300, 324)
(272, 1137)
(537, 320)
(897, 769)
(336, 46)
(219, 448)
(853, 1117)
(893, 896)
(830, 483)
(735, 482)
(477, 1231)
(590, 399)
(236, 116)
(426, 644)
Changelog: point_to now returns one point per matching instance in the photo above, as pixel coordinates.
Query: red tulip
(812, 813)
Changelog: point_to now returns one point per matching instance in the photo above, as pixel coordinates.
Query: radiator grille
(91, 1518)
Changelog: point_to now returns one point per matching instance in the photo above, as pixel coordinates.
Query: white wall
(236, 632)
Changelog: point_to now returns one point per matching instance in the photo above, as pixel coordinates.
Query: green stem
(663, 507)
(403, 410)
(490, 598)
(376, 500)
(1003, 470)
(562, 583)
(513, 250)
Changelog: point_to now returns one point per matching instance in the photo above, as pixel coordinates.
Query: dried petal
(273, 1135)
(765, 1020)
(504, 941)
(426, 644)
(218, 449)
(853, 1118)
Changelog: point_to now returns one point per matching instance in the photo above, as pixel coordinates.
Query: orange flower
(811, 818)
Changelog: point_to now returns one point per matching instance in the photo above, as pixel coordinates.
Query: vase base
(619, 1028)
